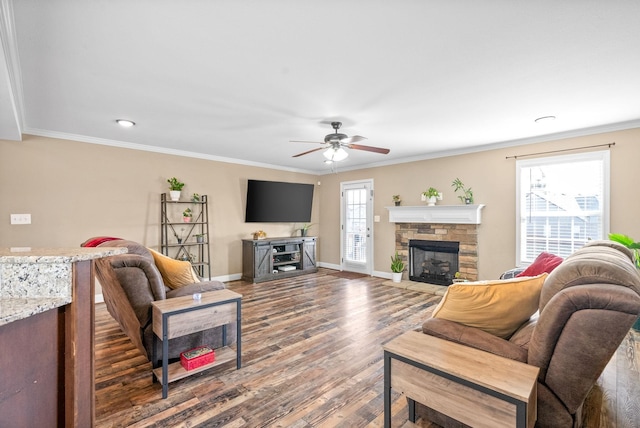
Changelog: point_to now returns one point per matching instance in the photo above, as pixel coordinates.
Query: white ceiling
(237, 80)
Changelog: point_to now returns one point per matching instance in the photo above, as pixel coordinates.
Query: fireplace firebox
(435, 262)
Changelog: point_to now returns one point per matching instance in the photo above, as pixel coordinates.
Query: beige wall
(492, 178)
(77, 190)
(74, 191)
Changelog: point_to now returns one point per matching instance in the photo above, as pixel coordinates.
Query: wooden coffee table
(180, 316)
(474, 387)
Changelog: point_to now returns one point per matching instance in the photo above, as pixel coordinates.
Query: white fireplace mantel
(449, 214)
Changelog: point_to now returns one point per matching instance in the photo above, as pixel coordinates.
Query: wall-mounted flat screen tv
(278, 202)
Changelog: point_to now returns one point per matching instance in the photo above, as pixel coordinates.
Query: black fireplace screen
(435, 262)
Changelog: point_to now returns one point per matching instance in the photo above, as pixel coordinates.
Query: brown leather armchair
(587, 306)
(131, 282)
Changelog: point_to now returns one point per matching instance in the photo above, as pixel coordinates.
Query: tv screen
(278, 202)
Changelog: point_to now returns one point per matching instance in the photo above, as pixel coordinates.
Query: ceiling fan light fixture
(335, 155)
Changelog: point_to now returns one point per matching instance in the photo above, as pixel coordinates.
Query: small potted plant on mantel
(397, 200)
(397, 267)
(430, 196)
(186, 215)
(467, 194)
(175, 188)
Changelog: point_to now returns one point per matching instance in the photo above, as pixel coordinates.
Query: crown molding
(154, 149)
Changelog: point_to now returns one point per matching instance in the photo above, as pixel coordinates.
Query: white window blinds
(562, 202)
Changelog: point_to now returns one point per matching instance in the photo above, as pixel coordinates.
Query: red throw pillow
(94, 242)
(545, 262)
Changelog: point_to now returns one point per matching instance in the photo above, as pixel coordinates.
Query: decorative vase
(397, 203)
(431, 201)
(467, 201)
(396, 276)
(175, 195)
(186, 219)
(199, 239)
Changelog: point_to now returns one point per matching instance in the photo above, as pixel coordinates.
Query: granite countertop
(34, 280)
(55, 255)
(14, 309)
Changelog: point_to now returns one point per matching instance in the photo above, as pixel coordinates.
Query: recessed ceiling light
(545, 119)
(125, 123)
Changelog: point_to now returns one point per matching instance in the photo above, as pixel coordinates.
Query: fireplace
(435, 262)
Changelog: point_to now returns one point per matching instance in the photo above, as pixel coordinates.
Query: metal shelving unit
(178, 239)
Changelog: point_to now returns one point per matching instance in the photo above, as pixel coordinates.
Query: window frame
(602, 156)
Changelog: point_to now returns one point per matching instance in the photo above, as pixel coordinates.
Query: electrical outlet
(439, 197)
(20, 218)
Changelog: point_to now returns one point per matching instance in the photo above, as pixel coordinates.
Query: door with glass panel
(357, 226)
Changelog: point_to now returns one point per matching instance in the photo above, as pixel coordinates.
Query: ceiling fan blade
(369, 148)
(353, 139)
(307, 152)
(299, 141)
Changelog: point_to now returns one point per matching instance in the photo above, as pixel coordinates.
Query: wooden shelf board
(177, 372)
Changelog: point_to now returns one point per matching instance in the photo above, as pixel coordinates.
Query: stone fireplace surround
(465, 234)
(441, 223)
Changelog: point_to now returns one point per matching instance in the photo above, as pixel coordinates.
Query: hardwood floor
(311, 356)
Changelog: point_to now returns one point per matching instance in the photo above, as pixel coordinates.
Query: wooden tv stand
(275, 258)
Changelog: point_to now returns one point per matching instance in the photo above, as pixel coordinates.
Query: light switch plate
(20, 218)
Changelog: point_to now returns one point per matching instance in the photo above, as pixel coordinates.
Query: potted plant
(629, 243)
(186, 215)
(633, 246)
(397, 267)
(459, 277)
(431, 195)
(175, 188)
(195, 197)
(305, 228)
(179, 238)
(397, 200)
(467, 194)
(200, 237)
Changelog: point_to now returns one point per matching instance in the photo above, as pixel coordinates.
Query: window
(562, 202)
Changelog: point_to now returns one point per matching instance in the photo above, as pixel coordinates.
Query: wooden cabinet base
(47, 363)
(31, 360)
(277, 258)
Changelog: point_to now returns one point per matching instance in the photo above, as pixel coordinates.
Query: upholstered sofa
(586, 305)
(131, 282)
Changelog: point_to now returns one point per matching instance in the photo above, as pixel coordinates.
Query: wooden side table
(185, 315)
(474, 387)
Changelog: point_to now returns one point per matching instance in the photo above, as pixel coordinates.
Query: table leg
(165, 357)
(239, 335)
(387, 390)
(412, 409)
(154, 358)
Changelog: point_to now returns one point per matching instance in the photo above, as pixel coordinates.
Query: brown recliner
(587, 306)
(131, 282)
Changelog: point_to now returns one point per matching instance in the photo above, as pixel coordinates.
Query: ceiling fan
(335, 144)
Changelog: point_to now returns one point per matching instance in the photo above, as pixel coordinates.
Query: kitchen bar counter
(36, 280)
(47, 335)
